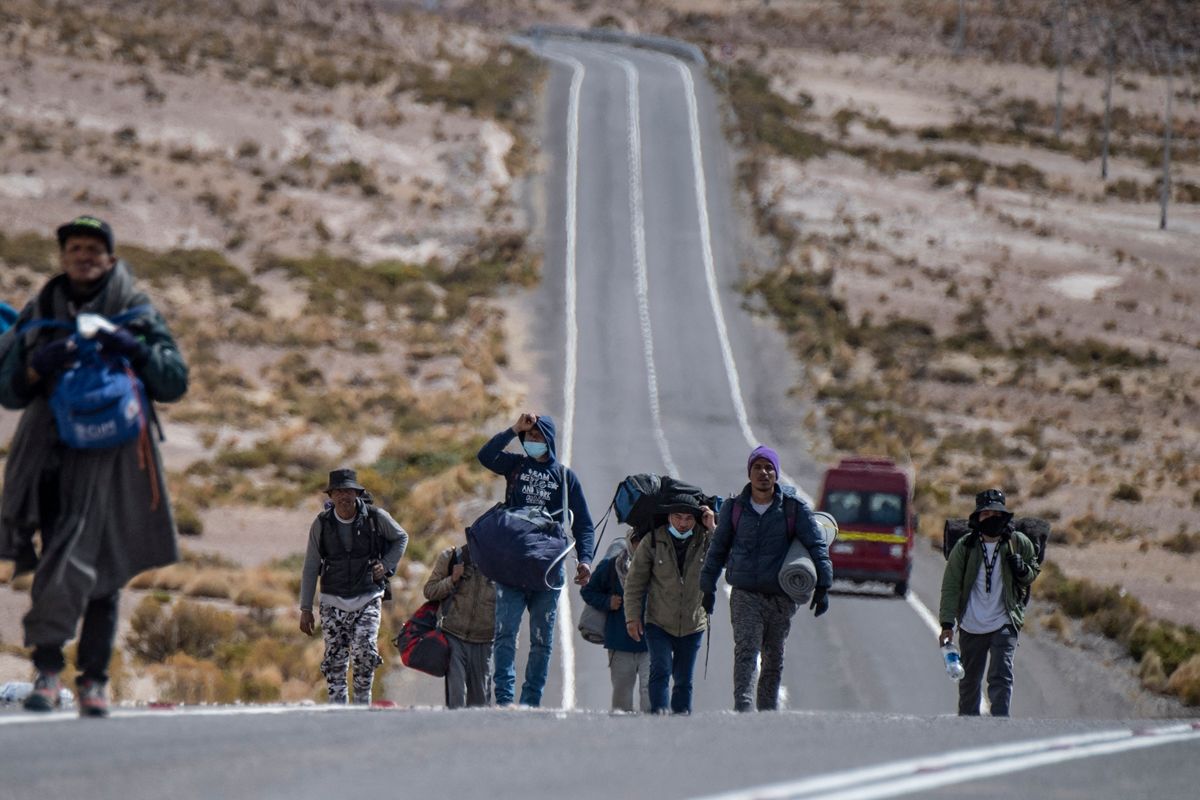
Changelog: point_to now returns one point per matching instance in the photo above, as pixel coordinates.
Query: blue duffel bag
(8, 315)
(521, 546)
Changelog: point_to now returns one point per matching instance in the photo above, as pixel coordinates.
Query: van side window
(846, 507)
(886, 509)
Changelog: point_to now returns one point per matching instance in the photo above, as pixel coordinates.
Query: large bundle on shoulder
(640, 500)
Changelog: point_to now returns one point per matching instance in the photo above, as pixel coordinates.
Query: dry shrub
(253, 595)
(1057, 623)
(1185, 681)
(22, 583)
(183, 679)
(209, 583)
(170, 578)
(159, 629)
(1152, 673)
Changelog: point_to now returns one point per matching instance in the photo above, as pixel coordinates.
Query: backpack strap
(735, 513)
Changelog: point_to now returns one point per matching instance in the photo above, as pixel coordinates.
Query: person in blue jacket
(750, 546)
(628, 659)
(534, 478)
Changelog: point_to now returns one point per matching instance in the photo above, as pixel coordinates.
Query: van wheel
(901, 588)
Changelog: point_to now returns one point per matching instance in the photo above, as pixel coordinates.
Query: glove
(52, 358)
(820, 601)
(123, 343)
(1017, 564)
(709, 602)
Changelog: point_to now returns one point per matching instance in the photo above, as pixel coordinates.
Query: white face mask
(680, 534)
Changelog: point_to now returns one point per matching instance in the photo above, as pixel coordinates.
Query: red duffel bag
(422, 644)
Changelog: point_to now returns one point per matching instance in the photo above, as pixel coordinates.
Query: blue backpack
(98, 402)
(8, 315)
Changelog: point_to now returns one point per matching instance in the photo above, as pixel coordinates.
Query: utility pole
(1060, 40)
(1110, 58)
(1166, 178)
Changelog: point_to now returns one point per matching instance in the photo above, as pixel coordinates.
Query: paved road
(643, 253)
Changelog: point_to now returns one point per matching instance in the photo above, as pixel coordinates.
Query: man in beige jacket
(468, 613)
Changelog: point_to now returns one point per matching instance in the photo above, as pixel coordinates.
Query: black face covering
(992, 526)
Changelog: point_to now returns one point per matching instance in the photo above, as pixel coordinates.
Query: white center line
(634, 138)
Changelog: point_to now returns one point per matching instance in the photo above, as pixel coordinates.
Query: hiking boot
(93, 698)
(45, 694)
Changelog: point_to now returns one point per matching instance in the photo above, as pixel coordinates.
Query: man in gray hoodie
(354, 547)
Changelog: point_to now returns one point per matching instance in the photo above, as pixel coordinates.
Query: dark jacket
(469, 609)
(598, 593)
(348, 573)
(753, 554)
(673, 599)
(110, 505)
(539, 483)
(962, 570)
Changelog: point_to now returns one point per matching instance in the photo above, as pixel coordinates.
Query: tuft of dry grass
(1185, 681)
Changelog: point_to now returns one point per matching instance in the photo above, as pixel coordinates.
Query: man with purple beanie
(753, 535)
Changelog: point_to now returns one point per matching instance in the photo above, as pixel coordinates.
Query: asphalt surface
(864, 683)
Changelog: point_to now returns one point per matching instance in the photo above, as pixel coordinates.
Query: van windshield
(878, 508)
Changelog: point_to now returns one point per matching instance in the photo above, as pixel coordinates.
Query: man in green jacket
(983, 590)
(103, 512)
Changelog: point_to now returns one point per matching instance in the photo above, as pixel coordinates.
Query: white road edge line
(565, 615)
(638, 219)
(710, 272)
(911, 775)
(190, 711)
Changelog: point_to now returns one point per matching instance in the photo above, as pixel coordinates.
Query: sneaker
(45, 695)
(93, 699)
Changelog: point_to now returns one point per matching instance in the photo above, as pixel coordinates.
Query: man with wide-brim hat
(983, 590)
(354, 547)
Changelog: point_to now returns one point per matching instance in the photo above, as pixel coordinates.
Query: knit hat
(763, 452)
(681, 504)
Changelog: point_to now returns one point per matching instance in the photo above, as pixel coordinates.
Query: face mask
(535, 449)
(992, 526)
(680, 534)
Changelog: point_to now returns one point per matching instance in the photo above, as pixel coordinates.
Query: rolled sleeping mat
(798, 576)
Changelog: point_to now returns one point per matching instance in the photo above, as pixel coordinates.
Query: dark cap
(87, 226)
(990, 500)
(343, 479)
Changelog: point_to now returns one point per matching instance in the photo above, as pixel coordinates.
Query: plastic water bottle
(954, 667)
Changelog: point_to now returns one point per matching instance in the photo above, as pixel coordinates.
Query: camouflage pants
(350, 636)
(761, 623)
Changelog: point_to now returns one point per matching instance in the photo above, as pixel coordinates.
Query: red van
(871, 499)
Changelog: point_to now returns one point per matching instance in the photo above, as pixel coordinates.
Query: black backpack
(640, 498)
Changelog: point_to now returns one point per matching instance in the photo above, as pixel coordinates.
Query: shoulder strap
(735, 513)
(324, 517)
(791, 510)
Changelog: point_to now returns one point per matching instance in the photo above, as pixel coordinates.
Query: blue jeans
(672, 657)
(511, 603)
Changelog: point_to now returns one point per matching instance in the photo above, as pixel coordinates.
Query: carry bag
(422, 644)
(518, 547)
(591, 624)
(8, 316)
(98, 402)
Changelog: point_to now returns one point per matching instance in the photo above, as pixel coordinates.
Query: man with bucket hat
(983, 590)
(354, 547)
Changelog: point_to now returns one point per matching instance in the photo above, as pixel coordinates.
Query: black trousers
(977, 648)
(95, 642)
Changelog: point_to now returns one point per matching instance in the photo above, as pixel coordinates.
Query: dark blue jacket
(603, 584)
(539, 483)
(753, 554)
